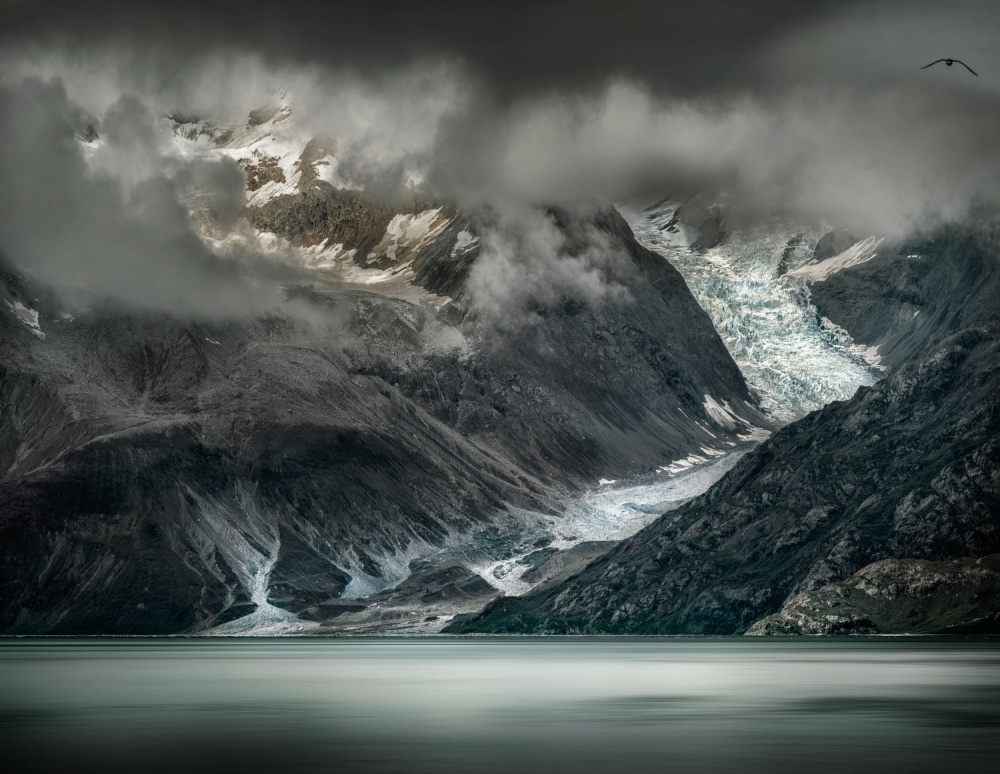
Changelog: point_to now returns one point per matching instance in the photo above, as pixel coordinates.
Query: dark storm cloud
(881, 160)
(813, 111)
(514, 47)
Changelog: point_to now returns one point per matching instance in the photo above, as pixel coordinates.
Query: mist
(117, 228)
(527, 263)
(885, 161)
(866, 142)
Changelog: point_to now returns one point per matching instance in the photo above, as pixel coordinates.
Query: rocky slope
(908, 468)
(160, 475)
(912, 293)
(898, 596)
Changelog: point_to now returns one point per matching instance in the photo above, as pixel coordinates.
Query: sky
(515, 46)
(813, 111)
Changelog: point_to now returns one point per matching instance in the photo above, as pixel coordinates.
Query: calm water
(500, 705)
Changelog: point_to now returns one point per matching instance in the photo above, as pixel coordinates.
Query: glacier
(755, 287)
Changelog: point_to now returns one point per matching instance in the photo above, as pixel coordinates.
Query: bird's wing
(932, 63)
(967, 67)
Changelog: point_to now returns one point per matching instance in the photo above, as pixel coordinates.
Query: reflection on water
(492, 705)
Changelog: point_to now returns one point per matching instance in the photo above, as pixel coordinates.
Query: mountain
(913, 292)
(160, 474)
(907, 469)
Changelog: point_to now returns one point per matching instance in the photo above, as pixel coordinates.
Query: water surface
(500, 705)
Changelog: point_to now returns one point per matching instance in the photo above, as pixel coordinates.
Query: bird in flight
(950, 62)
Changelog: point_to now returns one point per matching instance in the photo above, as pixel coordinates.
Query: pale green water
(500, 705)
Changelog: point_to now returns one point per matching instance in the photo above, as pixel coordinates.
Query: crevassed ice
(788, 355)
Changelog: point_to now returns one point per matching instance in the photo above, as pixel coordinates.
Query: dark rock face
(323, 212)
(312, 155)
(159, 476)
(151, 523)
(897, 596)
(262, 115)
(909, 468)
(832, 244)
(914, 293)
(264, 171)
(551, 566)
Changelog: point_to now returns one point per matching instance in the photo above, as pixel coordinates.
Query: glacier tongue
(754, 287)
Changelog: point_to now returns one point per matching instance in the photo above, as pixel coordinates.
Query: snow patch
(335, 257)
(679, 466)
(722, 414)
(856, 254)
(466, 241)
(410, 233)
(662, 218)
(278, 143)
(871, 356)
(27, 316)
(327, 170)
(332, 263)
(754, 435)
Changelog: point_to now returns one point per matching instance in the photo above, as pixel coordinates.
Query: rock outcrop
(898, 596)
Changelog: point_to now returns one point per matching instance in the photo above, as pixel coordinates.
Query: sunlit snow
(410, 232)
(722, 414)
